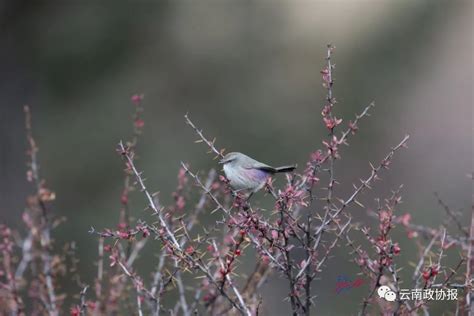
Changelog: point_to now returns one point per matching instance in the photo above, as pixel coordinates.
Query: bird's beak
(221, 162)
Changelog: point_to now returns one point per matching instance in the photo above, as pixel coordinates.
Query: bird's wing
(267, 169)
(260, 166)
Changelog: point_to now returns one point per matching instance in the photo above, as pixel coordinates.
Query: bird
(245, 173)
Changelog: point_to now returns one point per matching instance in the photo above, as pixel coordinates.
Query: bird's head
(231, 157)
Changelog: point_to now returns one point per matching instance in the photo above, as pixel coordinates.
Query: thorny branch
(43, 195)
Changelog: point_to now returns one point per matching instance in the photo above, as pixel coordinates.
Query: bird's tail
(285, 169)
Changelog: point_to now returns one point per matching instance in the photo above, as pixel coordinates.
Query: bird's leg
(235, 195)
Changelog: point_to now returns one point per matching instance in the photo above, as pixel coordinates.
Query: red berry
(427, 275)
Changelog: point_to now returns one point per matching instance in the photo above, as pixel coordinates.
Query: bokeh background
(248, 74)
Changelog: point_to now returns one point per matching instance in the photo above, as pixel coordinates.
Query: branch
(42, 195)
(416, 273)
(364, 184)
(124, 152)
(451, 215)
(205, 189)
(210, 144)
(470, 262)
(83, 307)
(232, 285)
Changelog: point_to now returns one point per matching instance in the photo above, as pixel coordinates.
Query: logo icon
(386, 293)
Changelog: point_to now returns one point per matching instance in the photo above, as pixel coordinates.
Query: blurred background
(248, 74)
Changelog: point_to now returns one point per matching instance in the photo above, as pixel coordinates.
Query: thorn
(372, 166)
(359, 204)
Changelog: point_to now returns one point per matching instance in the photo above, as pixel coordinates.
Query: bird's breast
(243, 178)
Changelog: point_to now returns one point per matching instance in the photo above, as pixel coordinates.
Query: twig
(330, 187)
(205, 189)
(83, 307)
(451, 215)
(364, 184)
(26, 247)
(372, 292)
(135, 250)
(209, 143)
(137, 282)
(139, 301)
(441, 251)
(143, 188)
(470, 265)
(182, 295)
(232, 285)
(100, 275)
(46, 225)
(451, 275)
(416, 273)
(158, 281)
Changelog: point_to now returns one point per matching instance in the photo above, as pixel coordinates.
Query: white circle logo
(390, 296)
(386, 293)
(382, 290)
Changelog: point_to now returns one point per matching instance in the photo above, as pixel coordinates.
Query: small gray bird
(245, 173)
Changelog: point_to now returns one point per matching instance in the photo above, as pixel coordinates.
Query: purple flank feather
(256, 174)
